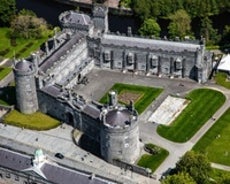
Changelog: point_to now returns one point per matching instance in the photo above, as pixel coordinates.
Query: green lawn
(23, 47)
(153, 161)
(4, 72)
(148, 94)
(221, 79)
(35, 121)
(216, 142)
(204, 103)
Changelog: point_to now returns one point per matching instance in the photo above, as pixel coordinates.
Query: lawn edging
(204, 103)
(148, 94)
(35, 121)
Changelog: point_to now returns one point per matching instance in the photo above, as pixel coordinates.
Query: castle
(45, 80)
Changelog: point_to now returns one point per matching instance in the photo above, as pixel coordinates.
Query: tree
(196, 165)
(225, 180)
(7, 11)
(145, 9)
(125, 3)
(180, 178)
(225, 40)
(27, 12)
(28, 25)
(150, 28)
(208, 32)
(180, 24)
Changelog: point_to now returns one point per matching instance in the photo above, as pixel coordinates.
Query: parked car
(59, 155)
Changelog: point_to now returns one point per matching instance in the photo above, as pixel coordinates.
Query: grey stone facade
(84, 43)
(26, 94)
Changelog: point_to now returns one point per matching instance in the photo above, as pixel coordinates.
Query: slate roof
(52, 171)
(92, 111)
(148, 43)
(13, 160)
(24, 65)
(61, 52)
(52, 90)
(62, 175)
(118, 117)
(76, 18)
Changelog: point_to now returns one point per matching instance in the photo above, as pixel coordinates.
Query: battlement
(100, 11)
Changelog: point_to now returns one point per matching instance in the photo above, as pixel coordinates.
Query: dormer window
(130, 58)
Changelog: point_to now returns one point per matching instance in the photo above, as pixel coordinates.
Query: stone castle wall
(121, 144)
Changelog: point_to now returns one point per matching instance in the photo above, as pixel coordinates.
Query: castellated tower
(119, 133)
(26, 94)
(100, 17)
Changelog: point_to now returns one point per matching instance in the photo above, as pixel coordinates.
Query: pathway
(177, 150)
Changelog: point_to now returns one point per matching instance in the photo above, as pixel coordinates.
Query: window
(154, 61)
(178, 64)
(107, 56)
(130, 58)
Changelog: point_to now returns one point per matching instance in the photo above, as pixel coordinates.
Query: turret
(112, 98)
(26, 94)
(100, 17)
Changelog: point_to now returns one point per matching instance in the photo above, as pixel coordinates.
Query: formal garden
(142, 96)
(204, 103)
(19, 47)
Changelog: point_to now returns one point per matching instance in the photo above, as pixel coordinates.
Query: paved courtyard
(167, 112)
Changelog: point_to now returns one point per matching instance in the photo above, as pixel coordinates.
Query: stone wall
(151, 62)
(26, 92)
(120, 143)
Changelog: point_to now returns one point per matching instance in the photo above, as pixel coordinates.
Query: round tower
(26, 94)
(119, 135)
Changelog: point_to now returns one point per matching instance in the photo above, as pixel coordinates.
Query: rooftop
(148, 43)
(52, 171)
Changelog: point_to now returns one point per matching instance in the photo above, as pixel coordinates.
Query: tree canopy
(180, 24)
(198, 12)
(150, 28)
(27, 25)
(7, 11)
(196, 165)
(180, 178)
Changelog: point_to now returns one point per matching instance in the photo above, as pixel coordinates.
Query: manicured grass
(153, 161)
(149, 94)
(204, 103)
(4, 72)
(216, 142)
(7, 95)
(35, 121)
(221, 79)
(23, 47)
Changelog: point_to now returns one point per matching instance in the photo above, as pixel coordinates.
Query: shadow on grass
(7, 95)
